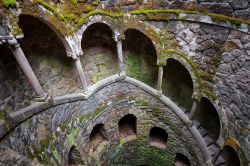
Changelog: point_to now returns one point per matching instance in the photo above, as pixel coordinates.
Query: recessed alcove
(181, 160)
(15, 90)
(127, 126)
(230, 156)
(47, 56)
(158, 137)
(98, 136)
(74, 157)
(99, 48)
(208, 118)
(177, 84)
(140, 57)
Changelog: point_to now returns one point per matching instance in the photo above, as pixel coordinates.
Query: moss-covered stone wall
(48, 137)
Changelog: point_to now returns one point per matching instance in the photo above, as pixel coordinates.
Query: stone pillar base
(122, 74)
(158, 93)
(209, 162)
(45, 97)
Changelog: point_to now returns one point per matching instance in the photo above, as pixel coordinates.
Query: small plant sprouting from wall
(9, 3)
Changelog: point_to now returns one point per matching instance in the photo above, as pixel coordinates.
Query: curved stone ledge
(206, 19)
(24, 114)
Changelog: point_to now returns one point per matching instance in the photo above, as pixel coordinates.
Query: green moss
(9, 3)
(84, 19)
(72, 137)
(140, 153)
(96, 2)
(56, 155)
(216, 17)
(99, 110)
(96, 77)
(137, 70)
(141, 102)
(219, 17)
(51, 8)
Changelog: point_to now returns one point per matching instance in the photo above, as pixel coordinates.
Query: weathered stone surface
(56, 126)
(223, 8)
(240, 4)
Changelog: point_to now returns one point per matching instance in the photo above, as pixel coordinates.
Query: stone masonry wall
(48, 136)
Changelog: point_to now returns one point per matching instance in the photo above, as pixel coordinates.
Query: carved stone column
(26, 68)
(79, 70)
(193, 109)
(118, 40)
(159, 81)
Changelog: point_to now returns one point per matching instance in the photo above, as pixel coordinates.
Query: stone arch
(95, 20)
(181, 160)
(187, 62)
(98, 136)
(178, 84)
(230, 156)
(127, 125)
(60, 36)
(209, 118)
(149, 31)
(47, 55)
(140, 57)
(223, 120)
(99, 50)
(158, 137)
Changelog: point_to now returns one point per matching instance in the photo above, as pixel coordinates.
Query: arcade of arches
(112, 83)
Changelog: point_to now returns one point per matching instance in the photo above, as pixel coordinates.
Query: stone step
(197, 124)
(213, 149)
(220, 161)
(202, 131)
(208, 140)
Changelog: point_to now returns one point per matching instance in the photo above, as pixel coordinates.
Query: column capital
(118, 37)
(74, 56)
(13, 43)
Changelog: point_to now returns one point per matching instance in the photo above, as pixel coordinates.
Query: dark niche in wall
(98, 136)
(140, 57)
(181, 160)
(230, 156)
(74, 157)
(208, 117)
(99, 50)
(177, 84)
(127, 126)
(158, 137)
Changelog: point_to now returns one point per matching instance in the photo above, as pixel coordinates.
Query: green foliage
(9, 3)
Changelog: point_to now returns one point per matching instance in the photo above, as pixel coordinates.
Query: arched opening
(158, 137)
(16, 92)
(74, 157)
(140, 57)
(127, 126)
(98, 136)
(228, 157)
(208, 118)
(47, 57)
(100, 57)
(181, 160)
(177, 84)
